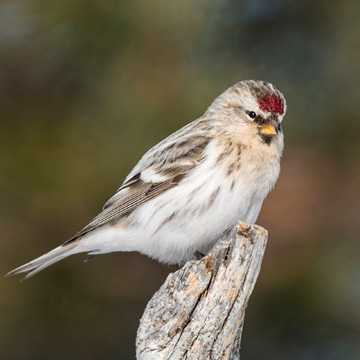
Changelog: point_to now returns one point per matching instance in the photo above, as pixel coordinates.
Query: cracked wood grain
(198, 313)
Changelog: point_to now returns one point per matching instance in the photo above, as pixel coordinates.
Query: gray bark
(198, 313)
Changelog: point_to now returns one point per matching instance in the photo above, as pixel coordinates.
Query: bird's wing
(161, 168)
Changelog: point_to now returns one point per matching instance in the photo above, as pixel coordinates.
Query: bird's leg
(198, 255)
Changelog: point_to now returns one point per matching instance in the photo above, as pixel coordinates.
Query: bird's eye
(252, 114)
(280, 127)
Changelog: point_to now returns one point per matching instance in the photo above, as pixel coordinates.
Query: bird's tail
(42, 262)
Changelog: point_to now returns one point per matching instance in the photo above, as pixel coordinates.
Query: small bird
(192, 186)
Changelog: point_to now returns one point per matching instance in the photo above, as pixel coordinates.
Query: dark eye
(280, 127)
(252, 114)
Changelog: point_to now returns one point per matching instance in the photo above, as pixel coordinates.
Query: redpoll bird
(192, 186)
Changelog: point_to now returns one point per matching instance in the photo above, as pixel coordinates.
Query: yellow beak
(269, 130)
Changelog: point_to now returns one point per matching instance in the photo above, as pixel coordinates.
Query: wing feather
(171, 161)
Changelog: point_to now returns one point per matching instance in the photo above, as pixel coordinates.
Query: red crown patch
(271, 103)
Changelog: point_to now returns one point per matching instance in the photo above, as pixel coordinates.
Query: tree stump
(198, 313)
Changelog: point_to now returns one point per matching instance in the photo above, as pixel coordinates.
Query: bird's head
(251, 108)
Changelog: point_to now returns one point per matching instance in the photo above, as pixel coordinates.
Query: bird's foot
(198, 255)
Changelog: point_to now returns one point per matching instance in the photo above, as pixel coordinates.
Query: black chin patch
(267, 139)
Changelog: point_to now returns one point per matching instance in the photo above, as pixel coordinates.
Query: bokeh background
(86, 87)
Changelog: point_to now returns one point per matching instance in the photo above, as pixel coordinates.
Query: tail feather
(42, 262)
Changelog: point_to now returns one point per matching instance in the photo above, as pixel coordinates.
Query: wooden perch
(198, 313)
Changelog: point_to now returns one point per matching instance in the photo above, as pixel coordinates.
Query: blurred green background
(88, 86)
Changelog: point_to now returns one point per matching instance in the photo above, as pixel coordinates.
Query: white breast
(194, 214)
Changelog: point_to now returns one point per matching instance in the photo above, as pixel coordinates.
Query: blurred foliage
(87, 87)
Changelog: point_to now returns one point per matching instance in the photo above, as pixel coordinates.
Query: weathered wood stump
(198, 313)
